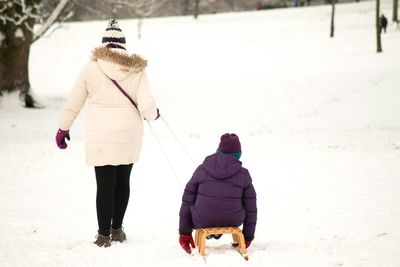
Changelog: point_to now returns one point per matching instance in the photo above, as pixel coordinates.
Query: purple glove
(60, 138)
(158, 114)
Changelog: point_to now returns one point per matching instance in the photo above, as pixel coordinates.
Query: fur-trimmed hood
(117, 63)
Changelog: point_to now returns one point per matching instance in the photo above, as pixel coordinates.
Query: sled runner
(237, 235)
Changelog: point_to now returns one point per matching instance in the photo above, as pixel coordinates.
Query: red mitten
(186, 241)
(247, 243)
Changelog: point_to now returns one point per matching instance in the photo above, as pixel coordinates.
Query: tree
(333, 19)
(185, 7)
(232, 4)
(196, 8)
(395, 8)
(140, 9)
(378, 27)
(17, 19)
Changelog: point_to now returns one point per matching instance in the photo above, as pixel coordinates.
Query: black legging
(112, 196)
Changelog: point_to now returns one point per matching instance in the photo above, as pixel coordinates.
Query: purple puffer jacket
(219, 194)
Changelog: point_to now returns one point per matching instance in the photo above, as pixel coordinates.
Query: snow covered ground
(318, 119)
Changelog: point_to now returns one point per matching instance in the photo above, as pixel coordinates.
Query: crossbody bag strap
(124, 93)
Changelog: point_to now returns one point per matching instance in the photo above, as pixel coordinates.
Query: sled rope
(177, 140)
(165, 154)
(154, 134)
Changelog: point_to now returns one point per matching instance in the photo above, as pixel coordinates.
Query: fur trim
(134, 62)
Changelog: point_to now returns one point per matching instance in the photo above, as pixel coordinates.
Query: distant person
(114, 127)
(383, 23)
(219, 194)
(259, 6)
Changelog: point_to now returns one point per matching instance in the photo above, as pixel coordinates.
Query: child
(220, 194)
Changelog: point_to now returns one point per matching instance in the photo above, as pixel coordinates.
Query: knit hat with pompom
(113, 35)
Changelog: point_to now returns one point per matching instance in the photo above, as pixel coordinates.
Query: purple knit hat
(229, 143)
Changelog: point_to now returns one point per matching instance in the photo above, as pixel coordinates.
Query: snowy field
(318, 119)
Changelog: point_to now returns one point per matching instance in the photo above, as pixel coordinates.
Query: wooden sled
(237, 235)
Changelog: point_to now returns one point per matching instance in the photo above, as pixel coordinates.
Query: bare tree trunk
(139, 27)
(185, 7)
(333, 19)
(196, 8)
(395, 7)
(232, 5)
(17, 19)
(14, 54)
(378, 27)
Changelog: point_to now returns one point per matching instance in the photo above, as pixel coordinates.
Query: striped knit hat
(114, 35)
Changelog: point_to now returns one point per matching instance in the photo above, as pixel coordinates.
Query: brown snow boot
(103, 241)
(118, 235)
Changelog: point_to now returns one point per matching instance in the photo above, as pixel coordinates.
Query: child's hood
(221, 166)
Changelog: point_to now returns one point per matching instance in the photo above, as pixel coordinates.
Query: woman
(114, 126)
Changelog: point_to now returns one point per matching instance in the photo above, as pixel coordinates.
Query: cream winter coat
(114, 127)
